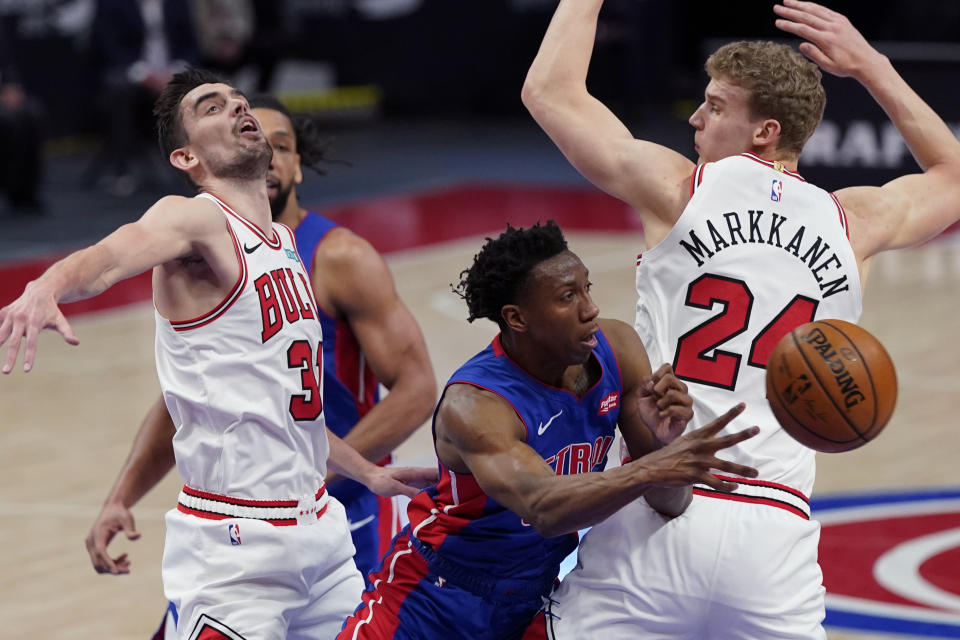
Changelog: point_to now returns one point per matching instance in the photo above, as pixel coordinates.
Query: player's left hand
(113, 518)
(664, 404)
(407, 481)
(834, 44)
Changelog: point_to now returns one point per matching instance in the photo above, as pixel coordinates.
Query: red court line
(398, 222)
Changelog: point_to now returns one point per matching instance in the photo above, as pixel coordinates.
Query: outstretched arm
(488, 437)
(151, 457)
(912, 208)
(173, 227)
(352, 280)
(649, 177)
(383, 481)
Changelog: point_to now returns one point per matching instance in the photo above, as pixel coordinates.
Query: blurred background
(432, 150)
(415, 92)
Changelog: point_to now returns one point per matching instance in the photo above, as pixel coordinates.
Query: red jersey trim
(210, 515)
(736, 497)
(843, 215)
(227, 302)
(765, 483)
(220, 507)
(243, 502)
(772, 165)
(273, 244)
(696, 179)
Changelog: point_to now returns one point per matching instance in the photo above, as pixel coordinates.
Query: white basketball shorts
(723, 570)
(244, 578)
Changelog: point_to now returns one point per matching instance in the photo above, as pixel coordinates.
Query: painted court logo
(891, 562)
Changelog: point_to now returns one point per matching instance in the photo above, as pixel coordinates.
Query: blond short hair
(783, 85)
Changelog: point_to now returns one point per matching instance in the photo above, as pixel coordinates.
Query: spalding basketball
(831, 385)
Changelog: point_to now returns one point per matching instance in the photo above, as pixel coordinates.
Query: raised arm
(150, 458)
(488, 438)
(352, 279)
(912, 208)
(651, 178)
(173, 227)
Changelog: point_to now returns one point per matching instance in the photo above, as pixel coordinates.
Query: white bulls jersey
(243, 381)
(756, 252)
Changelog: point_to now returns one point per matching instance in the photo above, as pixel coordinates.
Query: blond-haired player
(740, 249)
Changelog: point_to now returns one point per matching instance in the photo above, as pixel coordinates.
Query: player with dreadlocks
(522, 432)
(369, 337)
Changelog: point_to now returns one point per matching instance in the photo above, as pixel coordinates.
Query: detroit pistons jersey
(461, 523)
(350, 388)
(242, 382)
(756, 252)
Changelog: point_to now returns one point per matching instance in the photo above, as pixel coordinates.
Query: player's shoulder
(619, 334)
(466, 403)
(185, 212)
(344, 252)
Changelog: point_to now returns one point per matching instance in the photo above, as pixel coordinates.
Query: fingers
(13, 348)
(741, 470)
(401, 489)
(714, 482)
(64, 329)
(736, 438)
(97, 541)
(717, 425)
(130, 529)
(795, 15)
(30, 351)
(812, 8)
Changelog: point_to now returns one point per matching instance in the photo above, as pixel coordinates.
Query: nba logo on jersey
(234, 530)
(776, 190)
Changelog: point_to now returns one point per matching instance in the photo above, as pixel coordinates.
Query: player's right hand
(690, 458)
(24, 318)
(113, 517)
(833, 43)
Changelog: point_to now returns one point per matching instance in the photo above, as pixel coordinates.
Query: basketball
(831, 385)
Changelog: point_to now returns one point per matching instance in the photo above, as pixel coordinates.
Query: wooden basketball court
(68, 425)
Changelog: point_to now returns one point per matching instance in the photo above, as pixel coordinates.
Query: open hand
(690, 458)
(834, 44)
(24, 318)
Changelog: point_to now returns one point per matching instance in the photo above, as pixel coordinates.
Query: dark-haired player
(256, 546)
(521, 433)
(369, 337)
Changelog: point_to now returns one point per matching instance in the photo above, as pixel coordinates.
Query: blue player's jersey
(461, 523)
(350, 388)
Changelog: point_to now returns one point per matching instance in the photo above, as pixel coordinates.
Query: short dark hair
(502, 268)
(312, 145)
(170, 132)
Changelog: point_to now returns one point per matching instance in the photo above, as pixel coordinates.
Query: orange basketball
(831, 385)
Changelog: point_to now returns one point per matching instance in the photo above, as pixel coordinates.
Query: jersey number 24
(720, 369)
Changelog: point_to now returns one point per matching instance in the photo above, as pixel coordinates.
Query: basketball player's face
(723, 122)
(223, 134)
(284, 171)
(560, 313)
